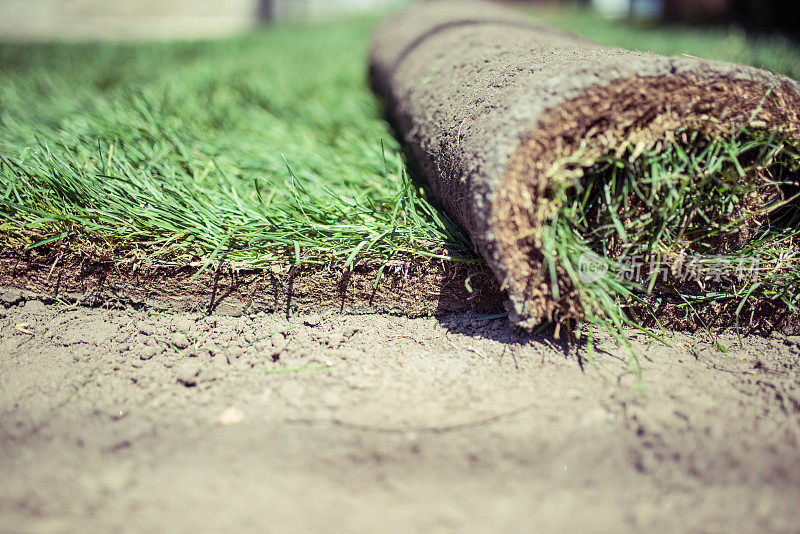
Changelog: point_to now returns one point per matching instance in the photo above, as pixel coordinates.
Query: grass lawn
(257, 149)
(263, 148)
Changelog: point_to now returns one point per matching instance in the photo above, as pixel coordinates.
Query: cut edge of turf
(417, 288)
(691, 231)
(607, 122)
(412, 288)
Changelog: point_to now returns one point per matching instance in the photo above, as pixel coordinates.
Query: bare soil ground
(130, 420)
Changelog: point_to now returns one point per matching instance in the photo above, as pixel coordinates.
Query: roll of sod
(554, 152)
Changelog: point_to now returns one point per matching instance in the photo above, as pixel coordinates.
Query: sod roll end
(504, 119)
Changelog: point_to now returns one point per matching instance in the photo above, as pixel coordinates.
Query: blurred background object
(159, 19)
(123, 19)
(677, 10)
(784, 14)
(698, 10)
(322, 9)
(166, 19)
(640, 9)
(780, 14)
(762, 15)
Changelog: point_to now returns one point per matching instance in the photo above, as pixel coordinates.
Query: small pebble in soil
(145, 328)
(230, 416)
(180, 340)
(181, 325)
(199, 353)
(349, 332)
(11, 297)
(279, 344)
(148, 352)
(335, 339)
(188, 374)
(312, 320)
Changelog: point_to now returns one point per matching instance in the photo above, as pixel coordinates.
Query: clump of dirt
(135, 419)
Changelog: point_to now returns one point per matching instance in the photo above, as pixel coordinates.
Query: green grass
(263, 148)
(707, 219)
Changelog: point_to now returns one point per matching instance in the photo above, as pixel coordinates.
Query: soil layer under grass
(419, 288)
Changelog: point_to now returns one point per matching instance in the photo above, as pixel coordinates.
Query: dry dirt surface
(129, 420)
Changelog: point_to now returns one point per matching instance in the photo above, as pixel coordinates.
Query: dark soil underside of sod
(413, 289)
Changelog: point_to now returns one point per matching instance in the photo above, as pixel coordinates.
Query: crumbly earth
(129, 420)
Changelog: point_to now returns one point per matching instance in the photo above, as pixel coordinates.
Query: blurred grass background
(772, 51)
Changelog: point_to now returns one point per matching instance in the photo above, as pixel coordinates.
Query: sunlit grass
(266, 148)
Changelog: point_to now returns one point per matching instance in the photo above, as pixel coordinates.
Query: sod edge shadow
(501, 117)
